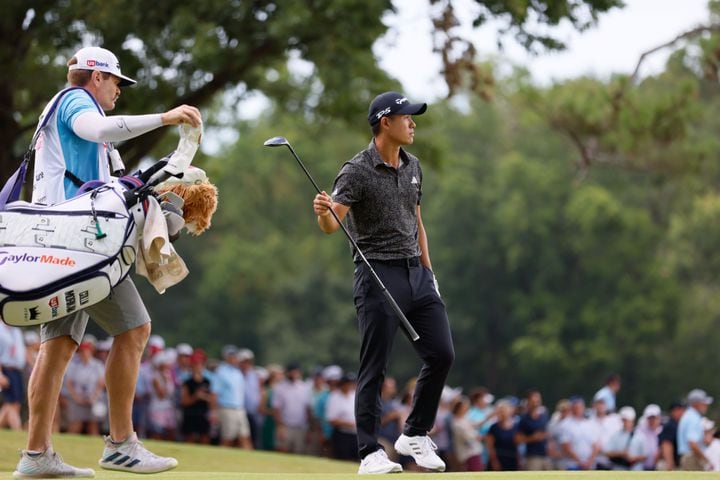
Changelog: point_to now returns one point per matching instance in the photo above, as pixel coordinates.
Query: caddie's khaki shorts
(123, 310)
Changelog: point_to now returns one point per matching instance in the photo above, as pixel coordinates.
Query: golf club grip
(409, 330)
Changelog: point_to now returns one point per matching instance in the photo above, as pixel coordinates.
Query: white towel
(157, 259)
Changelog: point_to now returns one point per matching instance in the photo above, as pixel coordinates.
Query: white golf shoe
(132, 456)
(377, 463)
(48, 464)
(422, 449)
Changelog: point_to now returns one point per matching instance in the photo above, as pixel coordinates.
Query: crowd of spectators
(182, 395)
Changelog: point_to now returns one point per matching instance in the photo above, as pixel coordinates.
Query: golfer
(379, 190)
(72, 148)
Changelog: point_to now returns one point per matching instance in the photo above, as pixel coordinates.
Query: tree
(642, 124)
(190, 53)
(525, 21)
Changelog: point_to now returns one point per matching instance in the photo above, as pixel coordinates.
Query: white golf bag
(60, 259)
(56, 260)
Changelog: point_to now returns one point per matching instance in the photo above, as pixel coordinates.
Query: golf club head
(276, 142)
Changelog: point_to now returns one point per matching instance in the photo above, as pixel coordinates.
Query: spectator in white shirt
(340, 412)
(617, 449)
(85, 383)
(712, 445)
(579, 438)
(607, 425)
(645, 446)
(292, 404)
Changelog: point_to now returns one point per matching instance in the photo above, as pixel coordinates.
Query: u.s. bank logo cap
(101, 59)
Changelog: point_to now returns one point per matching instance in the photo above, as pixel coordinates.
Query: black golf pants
(411, 285)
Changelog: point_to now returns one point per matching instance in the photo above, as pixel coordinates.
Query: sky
(613, 46)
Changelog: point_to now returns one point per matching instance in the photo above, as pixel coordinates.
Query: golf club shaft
(409, 330)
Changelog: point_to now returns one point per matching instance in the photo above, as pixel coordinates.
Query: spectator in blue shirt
(608, 393)
(690, 432)
(228, 385)
(246, 359)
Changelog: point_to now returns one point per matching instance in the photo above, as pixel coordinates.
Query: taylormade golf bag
(55, 260)
(60, 259)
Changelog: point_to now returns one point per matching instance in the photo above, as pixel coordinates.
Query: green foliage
(693, 240)
(189, 53)
(525, 21)
(194, 52)
(562, 279)
(524, 18)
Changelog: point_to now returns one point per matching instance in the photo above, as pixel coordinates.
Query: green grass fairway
(200, 462)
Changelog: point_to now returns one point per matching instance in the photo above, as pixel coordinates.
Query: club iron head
(276, 142)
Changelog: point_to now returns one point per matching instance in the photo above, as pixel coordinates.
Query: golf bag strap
(74, 179)
(12, 188)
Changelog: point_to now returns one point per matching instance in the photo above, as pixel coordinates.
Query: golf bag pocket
(61, 259)
(56, 300)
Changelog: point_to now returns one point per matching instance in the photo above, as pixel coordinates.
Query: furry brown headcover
(200, 203)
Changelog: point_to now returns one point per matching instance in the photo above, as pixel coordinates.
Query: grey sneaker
(132, 456)
(48, 464)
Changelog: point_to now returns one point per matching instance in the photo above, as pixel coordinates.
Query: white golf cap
(449, 394)
(652, 410)
(156, 342)
(31, 337)
(245, 354)
(96, 58)
(105, 345)
(184, 349)
(707, 424)
(332, 373)
(627, 413)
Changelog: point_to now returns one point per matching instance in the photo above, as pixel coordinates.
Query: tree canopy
(193, 52)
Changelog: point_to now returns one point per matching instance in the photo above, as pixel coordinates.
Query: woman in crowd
(162, 414)
(500, 439)
(85, 386)
(275, 375)
(467, 442)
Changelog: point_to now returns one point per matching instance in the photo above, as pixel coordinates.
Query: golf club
(409, 330)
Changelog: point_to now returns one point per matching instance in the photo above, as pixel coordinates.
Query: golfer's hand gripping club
(408, 328)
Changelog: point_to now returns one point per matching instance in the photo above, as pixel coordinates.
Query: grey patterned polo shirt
(383, 204)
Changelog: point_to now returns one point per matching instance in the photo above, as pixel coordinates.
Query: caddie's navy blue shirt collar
(377, 159)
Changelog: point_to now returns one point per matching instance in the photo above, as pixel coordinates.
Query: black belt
(400, 262)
